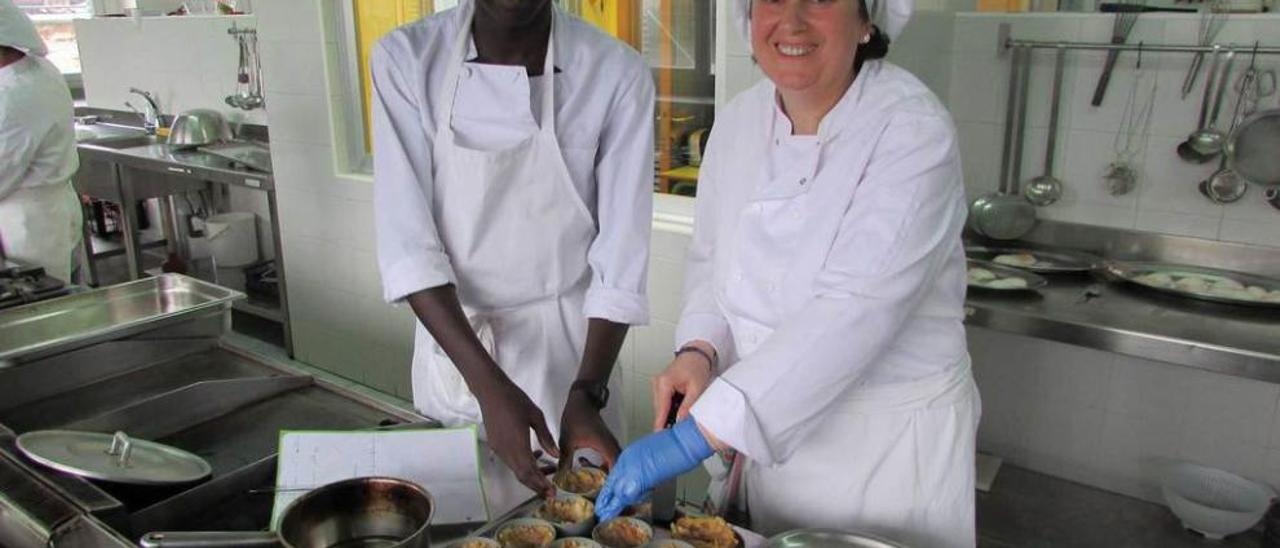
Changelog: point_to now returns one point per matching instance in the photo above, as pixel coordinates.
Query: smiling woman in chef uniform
(822, 333)
(513, 160)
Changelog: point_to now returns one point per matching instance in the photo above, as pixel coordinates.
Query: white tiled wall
(339, 320)
(1111, 421)
(187, 62)
(1166, 199)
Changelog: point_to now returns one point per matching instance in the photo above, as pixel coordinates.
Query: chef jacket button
(772, 287)
(466, 71)
(737, 276)
(803, 180)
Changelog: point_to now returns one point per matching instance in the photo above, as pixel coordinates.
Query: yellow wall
(616, 17)
(375, 18)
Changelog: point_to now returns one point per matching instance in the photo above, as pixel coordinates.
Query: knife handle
(677, 400)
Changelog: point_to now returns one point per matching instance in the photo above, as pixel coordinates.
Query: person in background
(40, 215)
(513, 167)
(822, 335)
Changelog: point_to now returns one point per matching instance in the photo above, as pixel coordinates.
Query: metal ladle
(1047, 189)
(1008, 215)
(1208, 141)
(1225, 185)
(1272, 195)
(1185, 150)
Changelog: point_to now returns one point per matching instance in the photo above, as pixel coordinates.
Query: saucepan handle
(209, 539)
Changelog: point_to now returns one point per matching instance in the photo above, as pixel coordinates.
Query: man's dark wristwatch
(597, 392)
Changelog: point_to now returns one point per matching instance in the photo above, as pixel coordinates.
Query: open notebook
(444, 461)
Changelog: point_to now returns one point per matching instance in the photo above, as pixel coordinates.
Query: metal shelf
(261, 309)
(110, 247)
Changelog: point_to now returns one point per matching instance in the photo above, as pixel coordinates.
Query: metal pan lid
(828, 538)
(116, 458)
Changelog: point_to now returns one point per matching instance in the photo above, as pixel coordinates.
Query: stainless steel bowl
(829, 538)
(199, 127)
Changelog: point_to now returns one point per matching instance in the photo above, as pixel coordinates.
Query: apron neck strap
(458, 57)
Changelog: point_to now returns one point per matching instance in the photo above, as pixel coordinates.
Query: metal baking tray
(746, 538)
(1034, 282)
(1047, 262)
(1132, 272)
(107, 311)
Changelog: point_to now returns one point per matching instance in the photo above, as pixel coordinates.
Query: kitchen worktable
(1227, 339)
(1091, 311)
(122, 164)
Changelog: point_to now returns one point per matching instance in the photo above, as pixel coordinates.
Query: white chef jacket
(835, 265)
(37, 134)
(604, 103)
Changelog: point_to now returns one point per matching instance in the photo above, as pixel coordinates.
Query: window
(676, 38)
(361, 23)
(53, 19)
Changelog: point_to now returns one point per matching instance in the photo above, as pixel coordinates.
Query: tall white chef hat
(17, 31)
(890, 15)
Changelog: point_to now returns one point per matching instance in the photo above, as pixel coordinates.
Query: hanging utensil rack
(249, 94)
(1007, 41)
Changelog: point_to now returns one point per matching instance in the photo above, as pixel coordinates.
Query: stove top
(22, 283)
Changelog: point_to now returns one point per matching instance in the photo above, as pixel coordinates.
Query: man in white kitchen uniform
(40, 215)
(822, 336)
(513, 163)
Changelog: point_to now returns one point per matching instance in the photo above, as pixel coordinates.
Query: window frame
(75, 80)
(356, 156)
(702, 75)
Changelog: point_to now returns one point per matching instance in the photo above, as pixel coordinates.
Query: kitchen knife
(664, 495)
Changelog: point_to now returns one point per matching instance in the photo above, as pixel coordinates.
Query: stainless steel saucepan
(371, 511)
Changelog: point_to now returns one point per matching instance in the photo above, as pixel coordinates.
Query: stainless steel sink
(122, 143)
(88, 133)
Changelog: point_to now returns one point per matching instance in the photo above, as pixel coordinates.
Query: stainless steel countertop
(1228, 339)
(152, 154)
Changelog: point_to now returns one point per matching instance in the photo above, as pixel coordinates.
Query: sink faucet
(150, 118)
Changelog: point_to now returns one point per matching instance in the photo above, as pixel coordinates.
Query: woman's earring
(866, 38)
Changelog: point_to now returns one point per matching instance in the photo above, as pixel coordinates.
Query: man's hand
(508, 415)
(582, 428)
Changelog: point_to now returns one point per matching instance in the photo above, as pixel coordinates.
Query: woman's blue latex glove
(649, 461)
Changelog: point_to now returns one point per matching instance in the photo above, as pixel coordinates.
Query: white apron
(517, 234)
(896, 461)
(42, 225)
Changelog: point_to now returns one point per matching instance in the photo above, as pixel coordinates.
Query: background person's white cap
(890, 15)
(17, 31)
